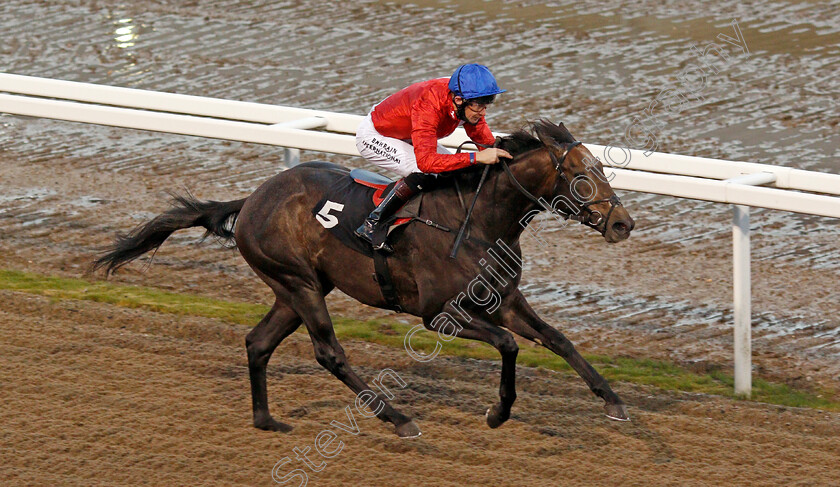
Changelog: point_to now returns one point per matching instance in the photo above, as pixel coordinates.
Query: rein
(466, 222)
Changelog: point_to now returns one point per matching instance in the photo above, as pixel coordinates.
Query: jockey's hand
(492, 156)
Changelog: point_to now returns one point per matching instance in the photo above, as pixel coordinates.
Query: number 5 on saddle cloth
(350, 200)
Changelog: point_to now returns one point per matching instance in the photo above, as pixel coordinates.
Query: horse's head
(574, 182)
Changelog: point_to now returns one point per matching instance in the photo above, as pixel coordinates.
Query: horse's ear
(544, 133)
(565, 134)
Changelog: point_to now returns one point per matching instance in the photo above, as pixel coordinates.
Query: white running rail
(736, 183)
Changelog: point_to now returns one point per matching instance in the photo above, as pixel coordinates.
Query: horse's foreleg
(520, 318)
(329, 353)
(477, 329)
(279, 323)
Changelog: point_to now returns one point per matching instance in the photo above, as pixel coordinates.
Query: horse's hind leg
(329, 353)
(522, 320)
(279, 323)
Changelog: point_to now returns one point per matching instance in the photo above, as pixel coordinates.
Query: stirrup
(363, 234)
(384, 248)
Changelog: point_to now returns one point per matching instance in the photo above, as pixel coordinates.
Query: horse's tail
(186, 212)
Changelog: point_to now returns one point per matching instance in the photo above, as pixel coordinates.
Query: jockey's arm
(481, 133)
(425, 119)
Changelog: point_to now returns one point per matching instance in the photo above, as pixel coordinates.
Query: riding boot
(398, 196)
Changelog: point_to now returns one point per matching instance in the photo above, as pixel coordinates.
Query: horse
(277, 235)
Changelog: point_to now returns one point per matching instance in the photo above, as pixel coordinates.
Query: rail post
(742, 298)
(291, 154)
(741, 288)
(292, 157)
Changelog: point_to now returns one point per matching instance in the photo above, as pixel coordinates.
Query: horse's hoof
(617, 412)
(494, 418)
(271, 425)
(407, 430)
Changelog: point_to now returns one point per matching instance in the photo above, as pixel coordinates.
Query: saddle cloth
(350, 200)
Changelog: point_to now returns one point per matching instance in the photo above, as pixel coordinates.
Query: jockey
(401, 133)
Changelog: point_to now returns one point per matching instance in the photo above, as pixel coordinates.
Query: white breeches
(386, 152)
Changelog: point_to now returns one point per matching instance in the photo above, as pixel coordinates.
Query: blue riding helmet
(473, 81)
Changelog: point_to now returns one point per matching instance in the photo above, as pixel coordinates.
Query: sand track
(100, 395)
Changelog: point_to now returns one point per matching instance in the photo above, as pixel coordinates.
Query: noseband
(584, 213)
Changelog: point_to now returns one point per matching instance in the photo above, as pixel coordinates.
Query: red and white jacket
(424, 112)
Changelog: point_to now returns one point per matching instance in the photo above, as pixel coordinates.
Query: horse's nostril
(621, 227)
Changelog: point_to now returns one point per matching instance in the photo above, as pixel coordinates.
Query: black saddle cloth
(346, 205)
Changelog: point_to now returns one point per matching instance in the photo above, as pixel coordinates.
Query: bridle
(584, 213)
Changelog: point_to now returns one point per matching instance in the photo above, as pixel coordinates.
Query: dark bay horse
(276, 233)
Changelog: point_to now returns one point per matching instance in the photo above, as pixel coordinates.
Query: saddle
(382, 185)
(351, 199)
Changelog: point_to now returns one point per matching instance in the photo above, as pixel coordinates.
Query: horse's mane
(528, 139)
(518, 143)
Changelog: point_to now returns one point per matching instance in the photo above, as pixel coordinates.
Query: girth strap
(386, 282)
